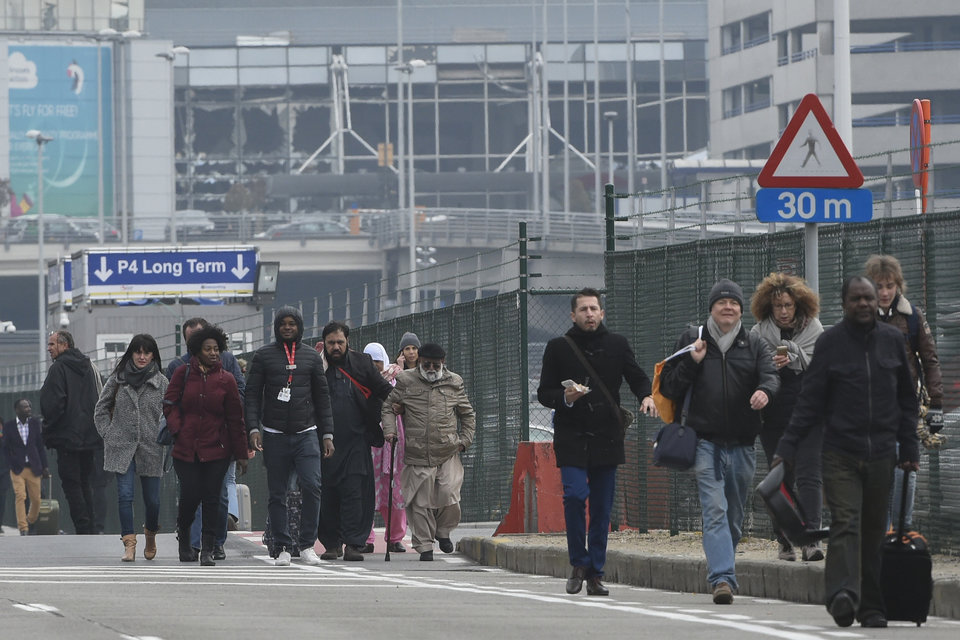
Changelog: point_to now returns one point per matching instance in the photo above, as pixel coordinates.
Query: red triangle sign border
(811, 103)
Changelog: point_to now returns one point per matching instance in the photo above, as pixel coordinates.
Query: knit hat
(409, 338)
(725, 289)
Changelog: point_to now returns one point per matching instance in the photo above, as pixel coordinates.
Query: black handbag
(676, 444)
(166, 437)
(624, 416)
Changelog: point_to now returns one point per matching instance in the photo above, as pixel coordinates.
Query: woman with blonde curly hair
(786, 311)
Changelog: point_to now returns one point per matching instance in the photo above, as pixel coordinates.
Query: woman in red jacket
(204, 413)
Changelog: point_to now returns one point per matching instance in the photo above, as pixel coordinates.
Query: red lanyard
(291, 358)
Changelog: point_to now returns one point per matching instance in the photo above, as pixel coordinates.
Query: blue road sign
(814, 205)
(208, 273)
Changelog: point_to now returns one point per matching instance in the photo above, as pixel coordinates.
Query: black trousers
(76, 469)
(346, 511)
(200, 484)
(100, 482)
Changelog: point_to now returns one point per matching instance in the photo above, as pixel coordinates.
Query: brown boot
(129, 547)
(149, 544)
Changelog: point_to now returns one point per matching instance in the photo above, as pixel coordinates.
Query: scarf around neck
(723, 340)
(136, 377)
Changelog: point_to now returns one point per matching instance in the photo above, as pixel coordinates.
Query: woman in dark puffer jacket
(204, 413)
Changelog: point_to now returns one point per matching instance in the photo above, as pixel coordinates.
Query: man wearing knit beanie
(727, 379)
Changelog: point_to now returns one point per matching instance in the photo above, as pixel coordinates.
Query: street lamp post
(407, 70)
(610, 116)
(171, 57)
(41, 140)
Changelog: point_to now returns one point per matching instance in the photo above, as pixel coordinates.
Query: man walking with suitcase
(859, 387)
(67, 400)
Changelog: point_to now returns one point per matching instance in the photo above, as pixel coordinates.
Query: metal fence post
(522, 293)
(610, 211)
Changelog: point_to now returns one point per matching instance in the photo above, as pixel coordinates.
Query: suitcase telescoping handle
(903, 502)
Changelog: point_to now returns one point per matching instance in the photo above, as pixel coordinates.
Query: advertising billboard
(53, 89)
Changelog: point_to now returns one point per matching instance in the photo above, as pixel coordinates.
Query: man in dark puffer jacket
(287, 399)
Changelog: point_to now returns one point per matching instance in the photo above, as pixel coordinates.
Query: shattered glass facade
(246, 113)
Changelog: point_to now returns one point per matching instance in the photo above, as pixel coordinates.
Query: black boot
(206, 552)
(187, 553)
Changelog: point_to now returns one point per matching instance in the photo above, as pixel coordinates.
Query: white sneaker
(309, 556)
(283, 560)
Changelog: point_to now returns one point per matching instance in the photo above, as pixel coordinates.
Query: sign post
(812, 178)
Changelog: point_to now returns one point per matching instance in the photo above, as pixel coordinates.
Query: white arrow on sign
(103, 273)
(240, 270)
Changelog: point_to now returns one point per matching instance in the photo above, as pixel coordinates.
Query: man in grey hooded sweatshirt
(288, 415)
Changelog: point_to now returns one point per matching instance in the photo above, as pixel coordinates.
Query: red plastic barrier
(536, 501)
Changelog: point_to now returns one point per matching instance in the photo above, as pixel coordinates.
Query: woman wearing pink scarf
(386, 500)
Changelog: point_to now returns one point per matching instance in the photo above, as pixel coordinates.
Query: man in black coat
(357, 392)
(26, 457)
(67, 400)
(588, 432)
(859, 386)
(287, 400)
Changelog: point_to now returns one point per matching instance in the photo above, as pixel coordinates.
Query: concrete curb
(791, 581)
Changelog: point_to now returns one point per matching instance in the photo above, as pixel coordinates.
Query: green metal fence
(653, 295)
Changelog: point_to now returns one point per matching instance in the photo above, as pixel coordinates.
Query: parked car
(304, 229)
(110, 232)
(56, 228)
(191, 223)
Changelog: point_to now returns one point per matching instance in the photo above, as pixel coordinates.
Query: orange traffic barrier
(536, 501)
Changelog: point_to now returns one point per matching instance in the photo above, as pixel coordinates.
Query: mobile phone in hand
(782, 350)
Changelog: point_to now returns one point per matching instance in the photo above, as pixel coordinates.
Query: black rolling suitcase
(906, 571)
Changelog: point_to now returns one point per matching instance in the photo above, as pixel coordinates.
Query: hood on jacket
(75, 360)
(283, 312)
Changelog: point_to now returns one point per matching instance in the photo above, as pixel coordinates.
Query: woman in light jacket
(786, 311)
(205, 416)
(128, 418)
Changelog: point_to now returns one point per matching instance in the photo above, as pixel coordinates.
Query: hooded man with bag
(287, 410)
(588, 432)
(67, 402)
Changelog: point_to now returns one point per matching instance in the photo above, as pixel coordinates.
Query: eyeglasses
(426, 364)
(786, 306)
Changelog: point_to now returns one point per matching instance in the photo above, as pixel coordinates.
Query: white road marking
(731, 616)
(843, 634)
(36, 607)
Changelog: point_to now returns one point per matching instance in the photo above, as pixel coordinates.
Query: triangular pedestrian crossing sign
(810, 153)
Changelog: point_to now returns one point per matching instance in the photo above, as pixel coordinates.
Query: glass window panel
(366, 55)
(464, 54)
(214, 132)
(506, 53)
(651, 51)
(262, 131)
(307, 55)
(263, 75)
(207, 77)
(461, 128)
(263, 56)
(368, 75)
(308, 75)
(213, 57)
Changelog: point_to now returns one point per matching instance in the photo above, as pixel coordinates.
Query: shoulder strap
(913, 329)
(364, 390)
(593, 374)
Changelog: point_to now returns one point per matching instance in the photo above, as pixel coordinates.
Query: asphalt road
(75, 587)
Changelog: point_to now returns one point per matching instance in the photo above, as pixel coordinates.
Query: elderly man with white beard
(438, 423)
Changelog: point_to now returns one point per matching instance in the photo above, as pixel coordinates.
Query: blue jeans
(283, 454)
(150, 487)
(229, 485)
(724, 475)
(598, 484)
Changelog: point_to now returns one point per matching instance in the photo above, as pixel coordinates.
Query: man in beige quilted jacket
(438, 423)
